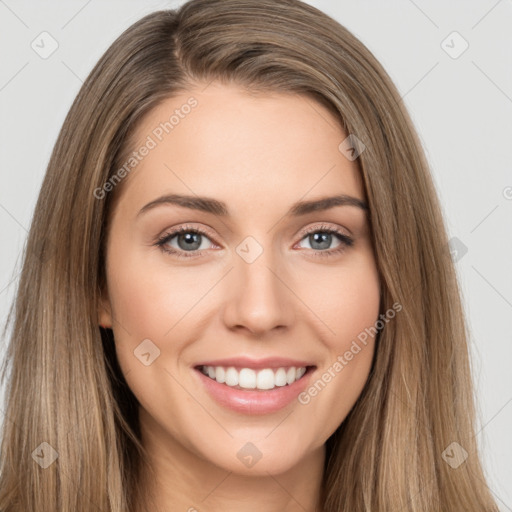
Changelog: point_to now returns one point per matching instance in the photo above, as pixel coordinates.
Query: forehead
(229, 143)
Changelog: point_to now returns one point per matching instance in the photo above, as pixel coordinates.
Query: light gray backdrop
(452, 64)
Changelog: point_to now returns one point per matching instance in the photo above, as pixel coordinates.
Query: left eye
(322, 238)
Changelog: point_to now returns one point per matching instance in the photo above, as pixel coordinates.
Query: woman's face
(253, 291)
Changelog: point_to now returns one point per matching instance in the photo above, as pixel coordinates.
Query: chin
(260, 455)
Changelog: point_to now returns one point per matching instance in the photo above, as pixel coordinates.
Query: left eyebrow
(325, 203)
(210, 205)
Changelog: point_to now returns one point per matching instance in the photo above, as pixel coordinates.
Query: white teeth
(247, 378)
(290, 375)
(220, 374)
(266, 379)
(300, 373)
(280, 377)
(231, 377)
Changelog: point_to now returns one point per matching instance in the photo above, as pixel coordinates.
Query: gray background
(461, 107)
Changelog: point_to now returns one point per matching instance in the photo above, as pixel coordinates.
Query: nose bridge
(259, 300)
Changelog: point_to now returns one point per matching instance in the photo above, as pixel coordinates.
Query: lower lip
(254, 401)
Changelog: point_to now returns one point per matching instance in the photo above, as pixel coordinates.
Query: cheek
(149, 306)
(349, 306)
(355, 310)
(346, 300)
(148, 298)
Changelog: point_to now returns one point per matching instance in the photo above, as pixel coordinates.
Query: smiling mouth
(264, 379)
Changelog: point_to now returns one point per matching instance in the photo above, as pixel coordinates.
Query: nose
(259, 298)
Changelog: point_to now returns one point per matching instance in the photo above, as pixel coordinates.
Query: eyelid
(323, 226)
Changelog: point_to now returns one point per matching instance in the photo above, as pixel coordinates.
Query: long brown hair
(65, 394)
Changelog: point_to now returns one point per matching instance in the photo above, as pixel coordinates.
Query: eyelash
(345, 240)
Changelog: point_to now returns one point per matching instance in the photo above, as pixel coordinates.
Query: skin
(259, 154)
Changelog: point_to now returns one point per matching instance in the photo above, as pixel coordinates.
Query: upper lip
(256, 364)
